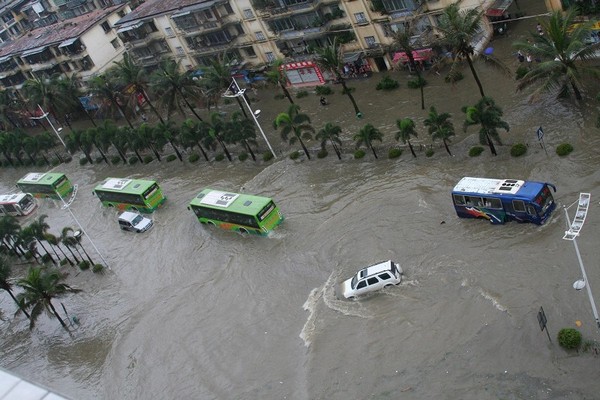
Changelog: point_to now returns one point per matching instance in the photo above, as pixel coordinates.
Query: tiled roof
(56, 33)
(152, 8)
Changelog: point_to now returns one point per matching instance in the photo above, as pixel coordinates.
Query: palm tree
(331, 132)
(332, 58)
(276, 76)
(192, 135)
(10, 230)
(366, 136)
(439, 126)
(145, 134)
(32, 147)
(406, 129)
(217, 78)
(76, 140)
(38, 228)
(564, 56)
(297, 124)
(40, 287)
(8, 110)
(136, 77)
(487, 114)
(242, 130)
(174, 88)
(107, 89)
(167, 131)
(70, 242)
(403, 38)
(458, 29)
(5, 284)
(55, 243)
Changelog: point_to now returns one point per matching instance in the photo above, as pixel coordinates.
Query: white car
(373, 277)
(131, 221)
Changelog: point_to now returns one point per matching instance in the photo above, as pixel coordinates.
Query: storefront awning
(67, 42)
(352, 57)
(418, 55)
(5, 58)
(130, 27)
(498, 8)
(31, 52)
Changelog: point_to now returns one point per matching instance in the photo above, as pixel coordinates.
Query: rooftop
(153, 8)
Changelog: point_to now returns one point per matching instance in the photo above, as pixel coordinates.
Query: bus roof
(15, 197)
(41, 178)
(239, 203)
(497, 186)
(135, 186)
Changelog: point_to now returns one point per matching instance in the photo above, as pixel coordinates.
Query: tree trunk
(189, 105)
(138, 156)
(18, 304)
(242, 106)
(373, 150)
(57, 316)
(202, 151)
(336, 150)
(176, 150)
(155, 152)
(122, 112)
(411, 149)
(304, 147)
(446, 145)
(491, 144)
(576, 90)
(470, 62)
(102, 154)
(224, 148)
(86, 254)
(51, 258)
(286, 92)
(151, 105)
(249, 149)
(345, 89)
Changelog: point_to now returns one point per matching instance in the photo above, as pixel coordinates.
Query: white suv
(131, 221)
(374, 277)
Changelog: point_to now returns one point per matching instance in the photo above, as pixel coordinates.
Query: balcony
(307, 33)
(143, 41)
(278, 12)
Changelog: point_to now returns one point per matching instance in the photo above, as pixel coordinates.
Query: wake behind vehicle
(372, 278)
(134, 222)
(501, 200)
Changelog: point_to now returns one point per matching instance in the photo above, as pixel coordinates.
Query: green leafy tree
(242, 130)
(403, 39)
(367, 135)
(489, 116)
(406, 129)
(70, 242)
(565, 56)
(168, 132)
(10, 231)
(458, 29)
(277, 77)
(331, 133)
(109, 90)
(331, 58)
(294, 126)
(40, 287)
(77, 140)
(39, 227)
(440, 126)
(6, 284)
(192, 135)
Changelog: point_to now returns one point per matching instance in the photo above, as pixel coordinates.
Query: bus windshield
(544, 199)
(26, 202)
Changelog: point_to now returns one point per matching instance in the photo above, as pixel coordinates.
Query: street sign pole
(540, 136)
(541, 316)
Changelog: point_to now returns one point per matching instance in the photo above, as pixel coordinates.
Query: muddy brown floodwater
(189, 312)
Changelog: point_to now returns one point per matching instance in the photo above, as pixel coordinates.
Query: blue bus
(501, 200)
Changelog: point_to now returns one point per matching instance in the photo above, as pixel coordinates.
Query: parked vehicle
(371, 278)
(132, 221)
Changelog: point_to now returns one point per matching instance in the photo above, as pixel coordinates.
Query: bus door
(524, 211)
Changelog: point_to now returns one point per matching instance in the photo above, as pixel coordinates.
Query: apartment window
(105, 26)
(169, 31)
(360, 18)
(260, 35)
(370, 41)
(115, 43)
(179, 51)
(250, 52)
(396, 5)
(270, 56)
(248, 13)
(228, 9)
(208, 14)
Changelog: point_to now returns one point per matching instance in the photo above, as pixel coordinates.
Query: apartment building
(256, 32)
(85, 45)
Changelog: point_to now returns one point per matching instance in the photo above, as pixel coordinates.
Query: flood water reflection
(191, 312)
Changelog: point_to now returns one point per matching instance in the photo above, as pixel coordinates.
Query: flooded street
(193, 312)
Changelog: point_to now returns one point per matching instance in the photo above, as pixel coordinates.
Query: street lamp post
(237, 92)
(571, 234)
(67, 206)
(45, 115)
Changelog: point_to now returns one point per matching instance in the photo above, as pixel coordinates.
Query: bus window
(474, 201)
(519, 205)
(495, 204)
(459, 200)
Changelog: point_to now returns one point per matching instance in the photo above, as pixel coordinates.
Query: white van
(131, 221)
(373, 277)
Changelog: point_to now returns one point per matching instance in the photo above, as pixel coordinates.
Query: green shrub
(40, 163)
(294, 155)
(387, 83)
(564, 149)
(83, 161)
(268, 156)
(99, 159)
(569, 338)
(322, 153)
(429, 152)
(243, 156)
(193, 157)
(84, 265)
(475, 151)
(323, 90)
(521, 72)
(417, 83)
(454, 77)
(114, 160)
(518, 150)
(219, 157)
(171, 157)
(98, 269)
(301, 94)
(148, 159)
(132, 160)
(358, 154)
(279, 96)
(394, 153)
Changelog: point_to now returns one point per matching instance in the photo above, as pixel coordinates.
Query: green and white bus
(130, 194)
(242, 213)
(44, 185)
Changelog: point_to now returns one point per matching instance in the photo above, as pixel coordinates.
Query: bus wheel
(243, 231)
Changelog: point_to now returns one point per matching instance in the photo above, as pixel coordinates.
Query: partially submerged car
(132, 221)
(371, 278)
